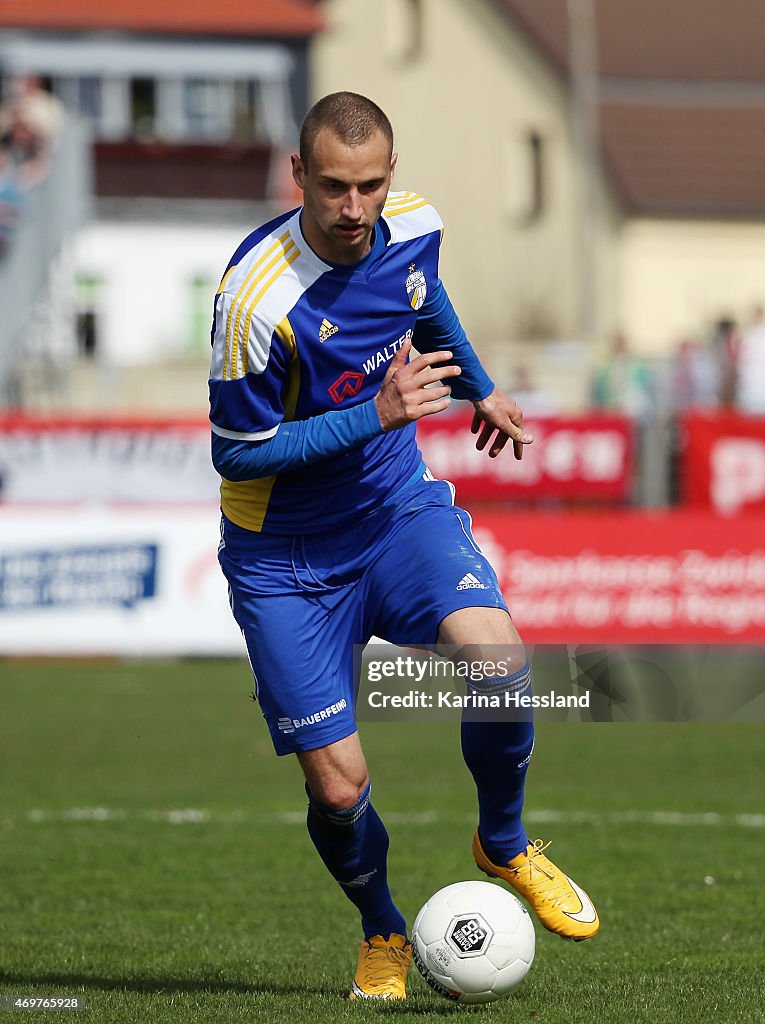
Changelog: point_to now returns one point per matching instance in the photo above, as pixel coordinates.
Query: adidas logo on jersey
(471, 582)
(327, 329)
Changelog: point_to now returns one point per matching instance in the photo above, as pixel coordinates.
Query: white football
(473, 942)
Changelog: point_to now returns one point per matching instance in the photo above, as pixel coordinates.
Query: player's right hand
(406, 394)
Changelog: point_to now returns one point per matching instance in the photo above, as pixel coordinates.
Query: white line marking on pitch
(197, 815)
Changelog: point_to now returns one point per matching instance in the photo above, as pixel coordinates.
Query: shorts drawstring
(311, 585)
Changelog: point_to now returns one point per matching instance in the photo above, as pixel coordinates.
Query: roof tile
(682, 160)
(267, 18)
(682, 115)
(711, 40)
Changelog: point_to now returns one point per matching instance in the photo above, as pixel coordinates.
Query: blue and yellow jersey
(294, 337)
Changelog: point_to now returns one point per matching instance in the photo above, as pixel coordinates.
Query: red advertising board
(723, 462)
(630, 577)
(138, 460)
(586, 458)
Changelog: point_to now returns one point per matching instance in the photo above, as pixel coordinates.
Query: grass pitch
(153, 857)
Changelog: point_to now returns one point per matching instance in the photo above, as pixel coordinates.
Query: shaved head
(352, 118)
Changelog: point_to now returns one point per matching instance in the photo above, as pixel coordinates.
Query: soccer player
(334, 531)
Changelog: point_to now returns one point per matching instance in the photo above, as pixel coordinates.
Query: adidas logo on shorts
(471, 582)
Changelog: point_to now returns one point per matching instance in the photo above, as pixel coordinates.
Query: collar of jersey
(379, 245)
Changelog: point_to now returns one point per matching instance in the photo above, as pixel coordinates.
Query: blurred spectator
(726, 341)
(11, 201)
(41, 110)
(623, 382)
(533, 400)
(29, 127)
(695, 377)
(30, 124)
(750, 367)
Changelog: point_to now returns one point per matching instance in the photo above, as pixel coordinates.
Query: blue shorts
(303, 602)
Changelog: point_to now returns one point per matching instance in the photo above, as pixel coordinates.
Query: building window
(536, 151)
(143, 107)
(526, 177)
(89, 101)
(247, 120)
(205, 108)
(175, 108)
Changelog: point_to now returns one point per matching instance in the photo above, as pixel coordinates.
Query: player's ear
(393, 159)
(298, 170)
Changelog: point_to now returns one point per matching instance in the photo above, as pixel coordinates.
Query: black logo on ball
(469, 936)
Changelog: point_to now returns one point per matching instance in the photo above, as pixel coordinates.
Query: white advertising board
(134, 461)
(105, 580)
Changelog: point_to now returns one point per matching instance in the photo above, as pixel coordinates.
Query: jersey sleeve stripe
(286, 333)
(265, 269)
(401, 200)
(237, 350)
(245, 287)
(224, 280)
(411, 217)
(406, 209)
(284, 264)
(293, 379)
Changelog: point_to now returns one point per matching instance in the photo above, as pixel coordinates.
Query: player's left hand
(500, 417)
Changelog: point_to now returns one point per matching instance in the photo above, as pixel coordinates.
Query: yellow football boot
(382, 968)
(559, 903)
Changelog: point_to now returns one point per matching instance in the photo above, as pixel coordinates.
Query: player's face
(344, 191)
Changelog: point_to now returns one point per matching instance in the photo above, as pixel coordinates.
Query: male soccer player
(334, 531)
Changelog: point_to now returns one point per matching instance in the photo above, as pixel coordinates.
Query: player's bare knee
(336, 775)
(338, 794)
(490, 644)
(479, 627)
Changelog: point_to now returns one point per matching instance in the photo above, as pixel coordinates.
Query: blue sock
(498, 754)
(354, 846)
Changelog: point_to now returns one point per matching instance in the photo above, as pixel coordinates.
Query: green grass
(232, 917)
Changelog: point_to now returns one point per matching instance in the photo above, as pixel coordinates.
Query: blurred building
(166, 87)
(598, 163)
(191, 109)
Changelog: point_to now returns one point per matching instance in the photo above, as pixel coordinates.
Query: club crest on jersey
(416, 287)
